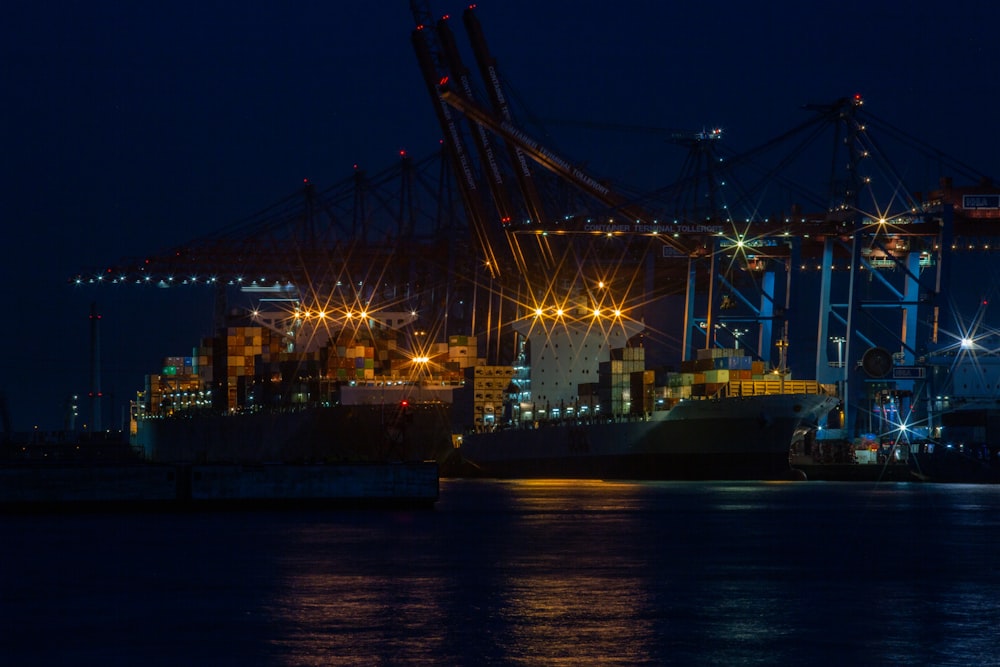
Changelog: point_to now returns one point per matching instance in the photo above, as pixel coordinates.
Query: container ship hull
(729, 438)
(316, 434)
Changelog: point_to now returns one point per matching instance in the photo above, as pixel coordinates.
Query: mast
(95, 368)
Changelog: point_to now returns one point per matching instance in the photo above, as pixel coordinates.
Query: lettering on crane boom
(752, 243)
(639, 227)
(908, 372)
(980, 201)
(670, 251)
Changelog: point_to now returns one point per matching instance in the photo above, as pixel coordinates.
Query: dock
(149, 486)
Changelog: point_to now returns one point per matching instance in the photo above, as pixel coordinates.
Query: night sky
(132, 127)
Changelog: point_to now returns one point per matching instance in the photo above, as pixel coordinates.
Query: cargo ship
(364, 396)
(864, 459)
(953, 436)
(721, 416)
(208, 462)
(353, 395)
(309, 433)
(954, 439)
(731, 437)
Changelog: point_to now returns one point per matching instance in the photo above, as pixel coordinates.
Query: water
(521, 573)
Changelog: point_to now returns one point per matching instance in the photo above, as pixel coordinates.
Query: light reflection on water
(542, 572)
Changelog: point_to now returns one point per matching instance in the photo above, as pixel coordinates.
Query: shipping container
(702, 365)
(717, 376)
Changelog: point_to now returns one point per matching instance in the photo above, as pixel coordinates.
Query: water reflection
(359, 588)
(519, 572)
(578, 589)
(646, 573)
(522, 573)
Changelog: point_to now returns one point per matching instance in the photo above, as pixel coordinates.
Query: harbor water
(521, 572)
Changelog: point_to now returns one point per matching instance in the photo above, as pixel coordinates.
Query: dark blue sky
(132, 127)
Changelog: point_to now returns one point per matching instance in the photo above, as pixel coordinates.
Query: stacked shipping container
(254, 353)
(623, 384)
(489, 391)
(730, 372)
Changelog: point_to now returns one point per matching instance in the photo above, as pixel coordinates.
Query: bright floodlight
(966, 343)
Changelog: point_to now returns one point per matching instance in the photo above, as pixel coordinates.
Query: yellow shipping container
(769, 387)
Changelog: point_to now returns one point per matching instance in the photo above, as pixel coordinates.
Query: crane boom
(490, 74)
(548, 159)
(480, 135)
(455, 144)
